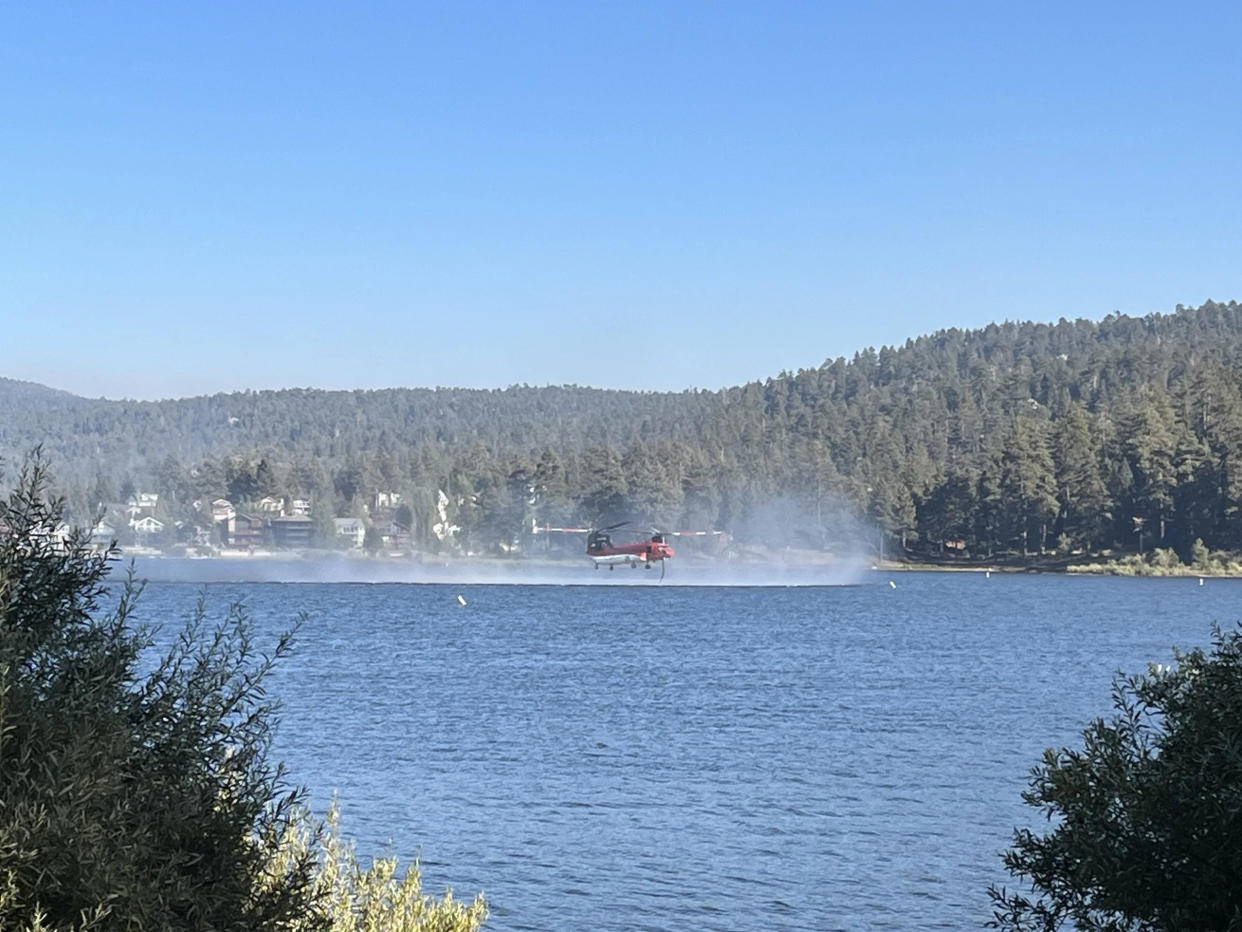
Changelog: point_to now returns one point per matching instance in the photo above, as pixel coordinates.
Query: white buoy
(891, 584)
(461, 600)
(987, 574)
(1200, 580)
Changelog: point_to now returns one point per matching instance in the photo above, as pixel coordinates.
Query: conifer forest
(1014, 439)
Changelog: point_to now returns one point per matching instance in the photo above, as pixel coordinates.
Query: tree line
(1123, 433)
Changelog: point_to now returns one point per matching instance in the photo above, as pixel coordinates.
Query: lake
(618, 757)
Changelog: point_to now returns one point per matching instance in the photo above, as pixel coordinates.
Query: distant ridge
(1095, 428)
(18, 392)
(1213, 321)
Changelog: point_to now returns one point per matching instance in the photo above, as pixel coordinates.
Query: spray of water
(780, 543)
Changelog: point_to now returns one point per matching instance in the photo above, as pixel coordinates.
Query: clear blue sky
(211, 197)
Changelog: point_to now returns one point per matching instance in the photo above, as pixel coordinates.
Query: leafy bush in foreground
(357, 899)
(129, 801)
(148, 802)
(1148, 814)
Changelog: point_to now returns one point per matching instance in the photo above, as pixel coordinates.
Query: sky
(197, 198)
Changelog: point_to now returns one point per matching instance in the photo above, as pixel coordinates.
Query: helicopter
(603, 552)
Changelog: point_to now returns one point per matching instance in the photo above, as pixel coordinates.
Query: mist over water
(678, 572)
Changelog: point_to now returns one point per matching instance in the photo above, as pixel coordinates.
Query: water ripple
(660, 758)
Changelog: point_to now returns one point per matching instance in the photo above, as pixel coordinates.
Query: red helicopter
(603, 552)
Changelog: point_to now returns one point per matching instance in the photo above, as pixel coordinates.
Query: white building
(147, 526)
(270, 506)
(351, 530)
(103, 534)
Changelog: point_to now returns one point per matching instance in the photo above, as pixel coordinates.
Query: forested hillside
(1079, 435)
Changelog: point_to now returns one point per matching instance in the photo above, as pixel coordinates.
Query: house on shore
(350, 531)
(248, 531)
(147, 527)
(270, 506)
(292, 532)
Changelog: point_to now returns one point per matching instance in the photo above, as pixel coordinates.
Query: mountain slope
(1011, 436)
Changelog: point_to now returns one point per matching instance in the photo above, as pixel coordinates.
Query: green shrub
(1146, 818)
(130, 801)
(1200, 556)
(1165, 558)
(371, 899)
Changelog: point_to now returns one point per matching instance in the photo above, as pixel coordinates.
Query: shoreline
(1119, 568)
(312, 563)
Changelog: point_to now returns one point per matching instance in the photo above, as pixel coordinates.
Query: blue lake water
(734, 758)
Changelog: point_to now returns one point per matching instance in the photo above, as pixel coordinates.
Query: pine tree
(1150, 445)
(1027, 481)
(1082, 498)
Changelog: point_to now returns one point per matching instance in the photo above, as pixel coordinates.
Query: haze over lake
(667, 757)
